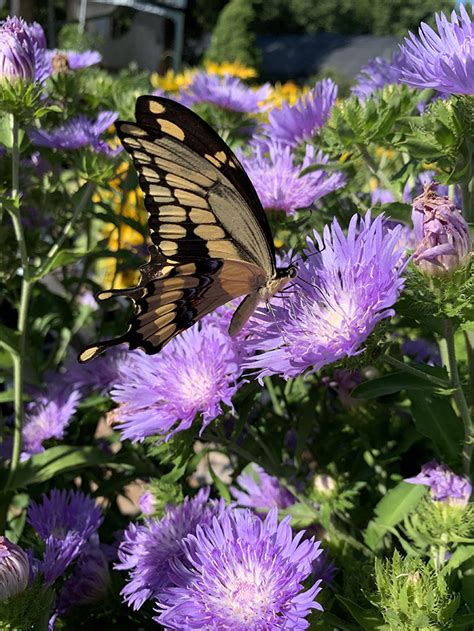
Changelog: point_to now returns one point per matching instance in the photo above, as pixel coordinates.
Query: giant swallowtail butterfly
(211, 238)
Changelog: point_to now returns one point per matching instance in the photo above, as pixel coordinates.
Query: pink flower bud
(14, 569)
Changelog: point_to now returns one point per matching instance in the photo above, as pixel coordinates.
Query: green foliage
(411, 595)
(28, 610)
(233, 38)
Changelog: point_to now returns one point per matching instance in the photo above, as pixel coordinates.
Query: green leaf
(389, 384)
(464, 622)
(56, 461)
(62, 257)
(219, 484)
(369, 619)
(302, 514)
(459, 556)
(435, 418)
(9, 339)
(392, 508)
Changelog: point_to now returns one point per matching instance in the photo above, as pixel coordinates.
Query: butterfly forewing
(211, 239)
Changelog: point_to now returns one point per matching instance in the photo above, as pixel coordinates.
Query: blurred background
(298, 39)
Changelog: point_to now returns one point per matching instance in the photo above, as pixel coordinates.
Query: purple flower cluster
(77, 132)
(17, 50)
(260, 490)
(196, 373)
(377, 73)
(276, 177)
(65, 521)
(346, 286)
(240, 572)
(291, 125)
(227, 92)
(442, 60)
(445, 486)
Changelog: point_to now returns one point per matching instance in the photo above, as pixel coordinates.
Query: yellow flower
(382, 152)
(172, 82)
(233, 68)
(287, 92)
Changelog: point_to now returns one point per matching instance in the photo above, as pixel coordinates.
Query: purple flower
(241, 572)
(147, 503)
(277, 178)
(17, 50)
(99, 376)
(78, 60)
(49, 417)
(90, 579)
(377, 73)
(442, 60)
(445, 486)
(325, 568)
(162, 394)
(65, 521)
(37, 35)
(442, 234)
(380, 196)
(260, 490)
(422, 351)
(345, 287)
(148, 551)
(14, 569)
(227, 92)
(291, 125)
(76, 133)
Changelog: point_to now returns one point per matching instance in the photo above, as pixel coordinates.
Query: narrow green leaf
(9, 339)
(392, 508)
(389, 384)
(435, 418)
(463, 622)
(302, 515)
(369, 619)
(219, 484)
(459, 556)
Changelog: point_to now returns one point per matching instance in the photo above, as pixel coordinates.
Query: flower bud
(147, 503)
(442, 234)
(14, 569)
(324, 484)
(445, 486)
(17, 52)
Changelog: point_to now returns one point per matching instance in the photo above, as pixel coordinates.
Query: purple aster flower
(380, 196)
(90, 579)
(325, 569)
(241, 572)
(422, 351)
(162, 394)
(78, 60)
(277, 178)
(76, 133)
(49, 417)
(14, 569)
(343, 382)
(17, 50)
(65, 521)
(97, 377)
(291, 125)
(377, 73)
(346, 286)
(260, 490)
(148, 551)
(442, 60)
(443, 237)
(445, 486)
(37, 34)
(147, 503)
(227, 92)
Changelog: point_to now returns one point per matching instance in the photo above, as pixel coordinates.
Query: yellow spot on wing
(212, 160)
(201, 216)
(221, 156)
(156, 108)
(208, 232)
(170, 128)
(88, 353)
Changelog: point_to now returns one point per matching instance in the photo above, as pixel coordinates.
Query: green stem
(376, 172)
(469, 339)
(273, 396)
(67, 228)
(396, 363)
(467, 205)
(459, 397)
(18, 378)
(18, 357)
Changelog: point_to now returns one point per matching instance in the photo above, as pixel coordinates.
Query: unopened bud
(324, 484)
(442, 234)
(17, 54)
(14, 569)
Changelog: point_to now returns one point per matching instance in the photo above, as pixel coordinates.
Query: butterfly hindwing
(174, 301)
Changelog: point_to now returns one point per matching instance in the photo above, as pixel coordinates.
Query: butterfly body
(211, 239)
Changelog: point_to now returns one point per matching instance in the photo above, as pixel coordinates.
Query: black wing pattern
(211, 238)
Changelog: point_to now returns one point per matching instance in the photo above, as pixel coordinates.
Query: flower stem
(459, 397)
(18, 356)
(273, 396)
(467, 202)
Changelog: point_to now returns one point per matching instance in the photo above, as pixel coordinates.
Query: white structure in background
(144, 42)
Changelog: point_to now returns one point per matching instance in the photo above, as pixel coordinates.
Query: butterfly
(211, 240)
